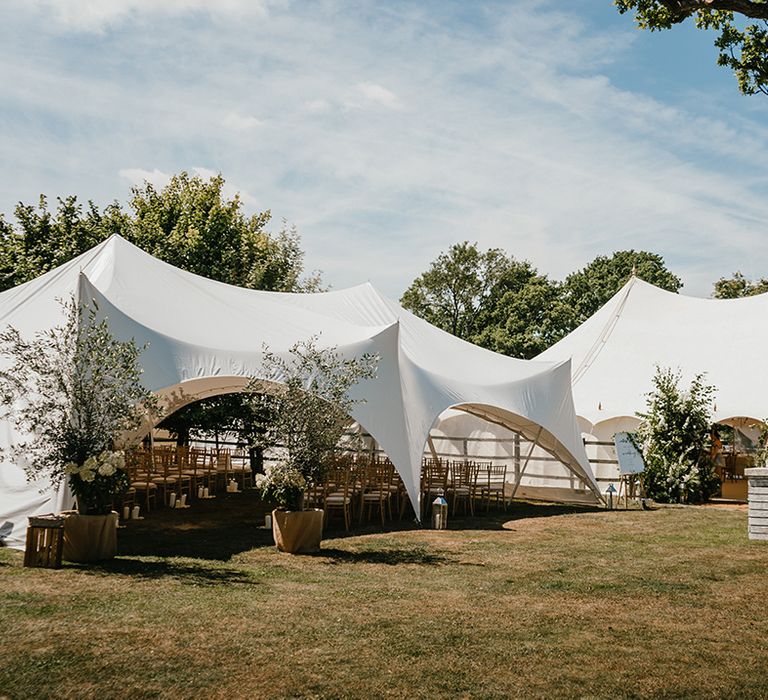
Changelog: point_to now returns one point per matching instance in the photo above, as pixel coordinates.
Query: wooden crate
(45, 541)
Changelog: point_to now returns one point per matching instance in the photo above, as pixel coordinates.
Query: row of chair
(364, 488)
(359, 489)
(463, 483)
(158, 472)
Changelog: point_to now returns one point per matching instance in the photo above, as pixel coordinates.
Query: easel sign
(630, 459)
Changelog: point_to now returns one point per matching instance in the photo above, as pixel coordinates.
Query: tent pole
(433, 450)
(525, 464)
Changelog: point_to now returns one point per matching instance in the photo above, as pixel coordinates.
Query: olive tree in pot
(304, 410)
(70, 391)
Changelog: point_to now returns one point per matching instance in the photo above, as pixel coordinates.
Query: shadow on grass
(391, 557)
(482, 520)
(221, 528)
(190, 573)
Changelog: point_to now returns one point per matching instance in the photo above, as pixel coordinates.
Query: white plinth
(758, 502)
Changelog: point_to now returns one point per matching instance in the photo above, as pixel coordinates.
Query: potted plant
(303, 405)
(72, 390)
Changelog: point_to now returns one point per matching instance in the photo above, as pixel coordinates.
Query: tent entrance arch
(539, 466)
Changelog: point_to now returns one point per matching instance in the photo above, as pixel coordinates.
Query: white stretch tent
(614, 354)
(206, 338)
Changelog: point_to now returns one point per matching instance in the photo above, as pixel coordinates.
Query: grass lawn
(545, 601)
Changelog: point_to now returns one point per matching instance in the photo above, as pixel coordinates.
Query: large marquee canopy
(615, 353)
(205, 338)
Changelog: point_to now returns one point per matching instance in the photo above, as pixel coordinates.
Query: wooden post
(525, 465)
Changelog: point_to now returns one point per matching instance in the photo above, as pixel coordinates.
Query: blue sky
(387, 131)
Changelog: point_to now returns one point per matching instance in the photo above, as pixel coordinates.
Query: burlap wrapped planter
(89, 538)
(297, 531)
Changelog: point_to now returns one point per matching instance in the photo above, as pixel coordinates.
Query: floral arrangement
(282, 484)
(98, 481)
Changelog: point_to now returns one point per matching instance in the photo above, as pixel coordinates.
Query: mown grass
(544, 601)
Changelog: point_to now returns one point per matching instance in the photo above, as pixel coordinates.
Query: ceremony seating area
(357, 488)
(157, 473)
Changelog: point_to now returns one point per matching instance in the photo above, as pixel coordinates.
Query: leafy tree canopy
(523, 314)
(490, 299)
(738, 286)
(189, 223)
(495, 301)
(588, 289)
(452, 292)
(742, 44)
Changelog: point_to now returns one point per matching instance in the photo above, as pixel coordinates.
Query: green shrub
(674, 438)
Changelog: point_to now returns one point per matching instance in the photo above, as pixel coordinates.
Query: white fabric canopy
(615, 352)
(206, 338)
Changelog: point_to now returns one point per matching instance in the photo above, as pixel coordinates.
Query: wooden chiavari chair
(461, 484)
(163, 473)
(494, 488)
(339, 498)
(434, 484)
(240, 466)
(138, 464)
(376, 493)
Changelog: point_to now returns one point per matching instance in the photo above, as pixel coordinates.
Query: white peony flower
(106, 469)
(87, 474)
(71, 468)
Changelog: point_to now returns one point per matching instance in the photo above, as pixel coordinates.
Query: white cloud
(318, 106)
(513, 135)
(230, 189)
(98, 15)
(378, 94)
(241, 122)
(138, 176)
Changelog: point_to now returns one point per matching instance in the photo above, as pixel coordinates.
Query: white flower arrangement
(282, 483)
(105, 464)
(98, 480)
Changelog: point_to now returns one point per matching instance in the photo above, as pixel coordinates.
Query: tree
(72, 391)
(188, 223)
(590, 288)
(523, 314)
(307, 413)
(742, 45)
(451, 293)
(739, 286)
(673, 437)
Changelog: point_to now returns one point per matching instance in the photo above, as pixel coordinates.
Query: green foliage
(523, 314)
(308, 406)
(226, 413)
(450, 295)
(674, 436)
(189, 223)
(71, 391)
(588, 289)
(743, 46)
(490, 299)
(505, 305)
(739, 286)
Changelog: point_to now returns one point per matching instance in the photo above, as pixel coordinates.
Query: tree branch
(682, 9)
